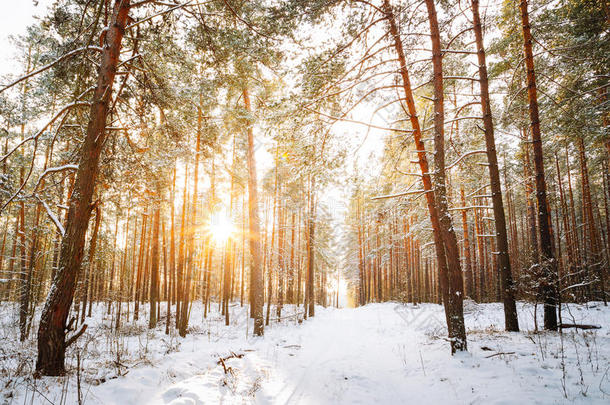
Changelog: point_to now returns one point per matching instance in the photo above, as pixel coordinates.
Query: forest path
(338, 356)
(381, 354)
(346, 356)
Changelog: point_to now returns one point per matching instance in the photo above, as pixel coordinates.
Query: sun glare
(221, 228)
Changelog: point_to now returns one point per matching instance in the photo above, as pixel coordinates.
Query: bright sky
(17, 15)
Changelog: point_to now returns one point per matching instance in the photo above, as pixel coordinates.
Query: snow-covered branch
(52, 216)
(53, 170)
(158, 14)
(50, 65)
(381, 197)
(40, 132)
(465, 155)
(357, 122)
(471, 207)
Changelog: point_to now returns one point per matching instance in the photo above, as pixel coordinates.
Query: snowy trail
(339, 356)
(344, 358)
(377, 354)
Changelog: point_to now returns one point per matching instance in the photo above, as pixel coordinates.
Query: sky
(17, 15)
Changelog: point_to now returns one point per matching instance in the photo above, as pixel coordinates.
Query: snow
(53, 217)
(385, 353)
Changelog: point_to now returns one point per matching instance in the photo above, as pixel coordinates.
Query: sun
(221, 227)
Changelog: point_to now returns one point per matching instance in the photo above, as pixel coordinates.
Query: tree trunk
(138, 276)
(11, 262)
(511, 323)
(451, 283)
(361, 267)
(311, 305)
(299, 260)
(180, 269)
(290, 289)
(592, 239)
(242, 280)
(91, 257)
(25, 275)
(229, 249)
(190, 231)
(154, 269)
(268, 250)
(468, 261)
(531, 205)
(52, 330)
(256, 276)
(281, 260)
(172, 248)
(547, 259)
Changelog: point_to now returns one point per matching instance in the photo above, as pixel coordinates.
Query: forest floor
(377, 354)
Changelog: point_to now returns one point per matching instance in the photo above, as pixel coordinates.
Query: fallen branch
(498, 354)
(578, 325)
(221, 361)
(233, 355)
(296, 315)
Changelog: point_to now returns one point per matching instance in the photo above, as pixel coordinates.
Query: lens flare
(221, 227)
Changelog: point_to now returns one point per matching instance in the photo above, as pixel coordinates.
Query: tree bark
(281, 259)
(52, 329)
(468, 261)
(256, 276)
(91, 257)
(229, 250)
(420, 147)
(511, 323)
(180, 268)
(547, 259)
(592, 239)
(531, 205)
(154, 269)
(140, 269)
(290, 289)
(451, 283)
(311, 304)
(190, 230)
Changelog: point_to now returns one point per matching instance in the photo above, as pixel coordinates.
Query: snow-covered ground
(378, 354)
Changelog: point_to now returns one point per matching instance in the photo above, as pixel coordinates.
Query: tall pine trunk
(190, 230)
(91, 257)
(547, 256)
(180, 268)
(228, 262)
(256, 275)
(154, 269)
(456, 333)
(453, 291)
(592, 239)
(511, 323)
(468, 261)
(52, 330)
(310, 275)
